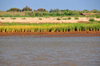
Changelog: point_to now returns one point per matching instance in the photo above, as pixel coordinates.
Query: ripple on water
(49, 51)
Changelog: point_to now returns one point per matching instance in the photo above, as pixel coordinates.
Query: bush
(69, 18)
(2, 18)
(40, 18)
(1, 15)
(97, 16)
(41, 10)
(58, 19)
(13, 18)
(23, 18)
(76, 18)
(64, 18)
(91, 19)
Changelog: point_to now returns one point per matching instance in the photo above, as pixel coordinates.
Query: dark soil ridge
(54, 34)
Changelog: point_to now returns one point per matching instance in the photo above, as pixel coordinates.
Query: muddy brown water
(49, 51)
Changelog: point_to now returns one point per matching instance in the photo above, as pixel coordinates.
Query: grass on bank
(64, 19)
(91, 19)
(76, 18)
(2, 18)
(49, 27)
(98, 16)
(23, 18)
(69, 18)
(13, 18)
(58, 19)
(40, 18)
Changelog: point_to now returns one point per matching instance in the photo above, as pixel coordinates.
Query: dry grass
(12, 13)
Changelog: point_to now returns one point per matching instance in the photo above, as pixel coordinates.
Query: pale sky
(50, 4)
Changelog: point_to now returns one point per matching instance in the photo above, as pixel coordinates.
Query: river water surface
(49, 51)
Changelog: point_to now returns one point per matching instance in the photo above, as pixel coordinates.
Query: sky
(50, 4)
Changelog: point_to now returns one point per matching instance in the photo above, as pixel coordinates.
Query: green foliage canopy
(26, 9)
(14, 9)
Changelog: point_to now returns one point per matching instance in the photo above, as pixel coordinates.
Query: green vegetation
(23, 18)
(91, 19)
(76, 18)
(27, 12)
(58, 19)
(51, 27)
(2, 18)
(40, 18)
(85, 11)
(69, 18)
(98, 16)
(13, 18)
(94, 11)
(14, 9)
(64, 18)
(26, 9)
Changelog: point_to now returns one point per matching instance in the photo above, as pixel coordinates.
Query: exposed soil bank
(55, 34)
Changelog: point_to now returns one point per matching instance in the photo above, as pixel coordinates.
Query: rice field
(49, 27)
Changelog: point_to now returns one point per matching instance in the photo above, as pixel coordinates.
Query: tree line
(43, 12)
(52, 10)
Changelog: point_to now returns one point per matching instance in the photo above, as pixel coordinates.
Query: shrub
(41, 10)
(23, 18)
(58, 19)
(64, 18)
(40, 18)
(1, 15)
(2, 18)
(91, 19)
(69, 18)
(97, 16)
(13, 18)
(76, 18)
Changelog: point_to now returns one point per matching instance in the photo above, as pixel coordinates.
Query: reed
(64, 27)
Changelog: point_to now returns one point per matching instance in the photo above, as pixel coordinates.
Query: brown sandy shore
(54, 34)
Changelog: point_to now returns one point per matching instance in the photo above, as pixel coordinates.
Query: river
(49, 51)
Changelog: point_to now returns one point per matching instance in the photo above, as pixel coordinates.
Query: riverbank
(46, 19)
(54, 34)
